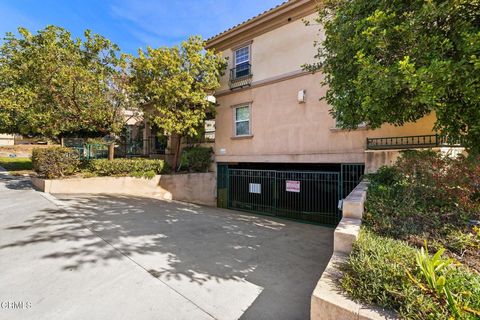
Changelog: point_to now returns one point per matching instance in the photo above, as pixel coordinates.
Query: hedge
(58, 162)
(196, 159)
(55, 162)
(147, 168)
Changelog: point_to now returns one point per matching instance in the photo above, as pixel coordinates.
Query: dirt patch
(21, 150)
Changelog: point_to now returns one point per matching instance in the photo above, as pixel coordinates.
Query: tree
(174, 84)
(396, 61)
(52, 85)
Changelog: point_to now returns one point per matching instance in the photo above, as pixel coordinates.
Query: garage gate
(304, 195)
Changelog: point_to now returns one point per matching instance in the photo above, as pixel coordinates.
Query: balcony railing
(240, 76)
(412, 142)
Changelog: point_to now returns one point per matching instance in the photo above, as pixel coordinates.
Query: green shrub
(55, 162)
(196, 159)
(428, 196)
(147, 168)
(385, 272)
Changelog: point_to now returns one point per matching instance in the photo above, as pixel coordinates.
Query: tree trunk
(176, 156)
(111, 151)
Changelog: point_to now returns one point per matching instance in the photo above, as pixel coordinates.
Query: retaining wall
(328, 301)
(199, 188)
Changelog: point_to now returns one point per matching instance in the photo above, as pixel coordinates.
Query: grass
(17, 165)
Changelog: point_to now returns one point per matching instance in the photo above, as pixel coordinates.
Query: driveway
(127, 257)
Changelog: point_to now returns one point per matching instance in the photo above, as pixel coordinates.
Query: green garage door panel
(311, 196)
(222, 184)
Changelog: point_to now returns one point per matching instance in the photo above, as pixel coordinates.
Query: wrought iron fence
(350, 175)
(309, 196)
(142, 147)
(240, 76)
(412, 142)
(92, 151)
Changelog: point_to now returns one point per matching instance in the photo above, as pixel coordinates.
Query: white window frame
(247, 46)
(235, 121)
(235, 55)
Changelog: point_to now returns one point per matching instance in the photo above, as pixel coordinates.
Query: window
(242, 121)
(242, 62)
(361, 125)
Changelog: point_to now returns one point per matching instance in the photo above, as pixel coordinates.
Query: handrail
(240, 76)
(411, 142)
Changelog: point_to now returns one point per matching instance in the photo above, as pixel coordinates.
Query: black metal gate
(311, 196)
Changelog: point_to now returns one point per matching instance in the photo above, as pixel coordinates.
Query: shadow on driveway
(212, 256)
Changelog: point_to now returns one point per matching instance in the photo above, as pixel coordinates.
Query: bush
(196, 159)
(55, 162)
(378, 273)
(147, 168)
(428, 196)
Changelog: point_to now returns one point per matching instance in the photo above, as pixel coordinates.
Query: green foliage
(433, 270)
(196, 159)
(146, 168)
(175, 83)
(53, 84)
(397, 61)
(55, 162)
(58, 162)
(16, 164)
(393, 275)
(428, 196)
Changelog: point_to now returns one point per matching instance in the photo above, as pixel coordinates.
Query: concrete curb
(328, 301)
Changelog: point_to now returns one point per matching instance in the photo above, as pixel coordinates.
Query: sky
(132, 24)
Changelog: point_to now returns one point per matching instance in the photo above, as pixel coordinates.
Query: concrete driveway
(125, 257)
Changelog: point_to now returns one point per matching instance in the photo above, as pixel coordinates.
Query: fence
(412, 142)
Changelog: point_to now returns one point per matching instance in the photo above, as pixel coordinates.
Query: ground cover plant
(419, 249)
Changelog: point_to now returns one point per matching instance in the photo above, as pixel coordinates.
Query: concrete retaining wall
(199, 188)
(328, 301)
(374, 159)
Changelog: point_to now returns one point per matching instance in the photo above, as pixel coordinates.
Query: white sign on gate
(292, 186)
(255, 188)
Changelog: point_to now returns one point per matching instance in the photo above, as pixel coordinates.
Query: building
(278, 150)
(7, 139)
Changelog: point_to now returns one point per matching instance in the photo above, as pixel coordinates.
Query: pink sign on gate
(293, 186)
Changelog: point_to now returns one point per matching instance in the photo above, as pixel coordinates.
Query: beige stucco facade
(282, 129)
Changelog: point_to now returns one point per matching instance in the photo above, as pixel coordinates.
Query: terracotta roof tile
(248, 20)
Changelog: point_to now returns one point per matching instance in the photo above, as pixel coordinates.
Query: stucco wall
(279, 51)
(287, 131)
(199, 188)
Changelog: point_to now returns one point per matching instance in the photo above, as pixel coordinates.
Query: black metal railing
(412, 142)
(240, 76)
(305, 195)
(142, 147)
